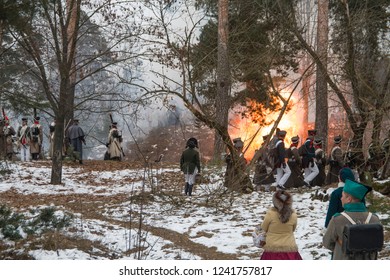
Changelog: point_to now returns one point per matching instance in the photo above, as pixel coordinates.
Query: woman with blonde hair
(279, 225)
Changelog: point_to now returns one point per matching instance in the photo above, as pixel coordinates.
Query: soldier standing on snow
(36, 139)
(335, 161)
(24, 139)
(52, 128)
(114, 143)
(76, 138)
(8, 132)
(307, 151)
(232, 179)
(262, 177)
(320, 161)
(190, 166)
(283, 171)
(294, 162)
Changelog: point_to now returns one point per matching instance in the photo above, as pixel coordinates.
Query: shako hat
(37, 118)
(295, 139)
(282, 133)
(24, 119)
(337, 139)
(356, 189)
(312, 132)
(317, 141)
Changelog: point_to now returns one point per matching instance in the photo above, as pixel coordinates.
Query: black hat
(24, 119)
(312, 132)
(265, 137)
(191, 144)
(37, 118)
(75, 120)
(194, 140)
(114, 123)
(282, 133)
(317, 141)
(337, 139)
(295, 139)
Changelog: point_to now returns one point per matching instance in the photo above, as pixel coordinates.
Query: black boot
(190, 190)
(186, 188)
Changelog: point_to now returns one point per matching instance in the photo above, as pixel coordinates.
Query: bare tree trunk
(73, 10)
(223, 77)
(67, 86)
(305, 94)
(321, 120)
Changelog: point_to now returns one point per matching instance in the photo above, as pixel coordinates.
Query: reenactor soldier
(232, 179)
(190, 165)
(52, 128)
(36, 138)
(114, 143)
(263, 176)
(320, 161)
(8, 132)
(24, 139)
(294, 161)
(307, 152)
(283, 171)
(76, 138)
(335, 161)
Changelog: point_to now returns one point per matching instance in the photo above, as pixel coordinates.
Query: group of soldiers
(28, 139)
(306, 165)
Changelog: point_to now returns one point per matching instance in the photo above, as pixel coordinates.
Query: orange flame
(246, 128)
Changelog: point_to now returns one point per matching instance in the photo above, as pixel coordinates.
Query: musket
(346, 151)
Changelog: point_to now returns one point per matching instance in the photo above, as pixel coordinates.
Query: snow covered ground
(106, 205)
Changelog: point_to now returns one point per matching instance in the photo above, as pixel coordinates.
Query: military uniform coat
(75, 135)
(189, 161)
(24, 135)
(336, 163)
(8, 131)
(261, 176)
(114, 144)
(320, 160)
(36, 138)
(307, 151)
(294, 162)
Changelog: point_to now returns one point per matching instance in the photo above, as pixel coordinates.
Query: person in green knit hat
(352, 201)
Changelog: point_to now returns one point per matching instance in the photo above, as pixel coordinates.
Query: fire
(246, 128)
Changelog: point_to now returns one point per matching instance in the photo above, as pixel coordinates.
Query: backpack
(35, 131)
(362, 238)
(273, 152)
